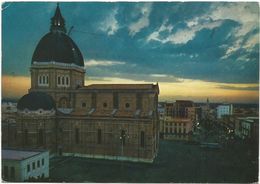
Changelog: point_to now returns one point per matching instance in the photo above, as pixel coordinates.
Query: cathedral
(61, 114)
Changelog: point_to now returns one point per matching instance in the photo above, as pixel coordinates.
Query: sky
(193, 50)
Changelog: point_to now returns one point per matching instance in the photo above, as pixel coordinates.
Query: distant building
(177, 128)
(178, 123)
(194, 113)
(161, 112)
(247, 128)
(8, 123)
(225, 109)
(9, 107)
(22, 165)
(205, 110)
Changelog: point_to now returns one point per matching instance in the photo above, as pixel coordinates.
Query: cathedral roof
(35, 101)
(56, 45)
(122, 86)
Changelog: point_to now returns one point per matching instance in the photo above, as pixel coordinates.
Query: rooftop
(122, 86)
(9, 154)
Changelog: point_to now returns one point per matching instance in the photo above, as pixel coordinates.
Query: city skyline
(193, 50)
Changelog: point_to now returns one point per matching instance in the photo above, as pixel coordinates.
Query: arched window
(25, 137)
(99, 140)
(83, 104)
(43, 79)
(64, 102)
(127, 105)
(67, 80)
(63, 81)
(123, 134)
(40, 81)
(76, 135)
(104, 105)
(58, 79)
(142, 139)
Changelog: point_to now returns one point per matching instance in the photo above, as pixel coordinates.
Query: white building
(247, 127)
(21, 165)
(225, 109)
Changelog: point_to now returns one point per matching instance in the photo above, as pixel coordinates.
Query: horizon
(211, 52)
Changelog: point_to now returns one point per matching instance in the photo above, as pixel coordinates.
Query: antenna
(70, 30)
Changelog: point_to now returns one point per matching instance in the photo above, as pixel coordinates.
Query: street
(176, 162)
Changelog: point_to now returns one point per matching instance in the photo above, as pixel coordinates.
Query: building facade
(61, 114)
(178, 121)
(225, 109)
(22, 165)
(247, 128)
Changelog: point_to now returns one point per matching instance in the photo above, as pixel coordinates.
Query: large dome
(35, 101)
(57, 46)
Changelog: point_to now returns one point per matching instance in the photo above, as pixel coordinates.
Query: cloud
(246, 14)
(156, 34)
(182, 36)
(158, 75)
(251, 42)
(110, 24)
(93, 63)
(247, 88)
(143, 21)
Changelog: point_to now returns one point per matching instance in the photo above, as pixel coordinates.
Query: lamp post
(122, 138)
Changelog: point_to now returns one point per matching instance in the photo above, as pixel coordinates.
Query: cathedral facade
(61, 114)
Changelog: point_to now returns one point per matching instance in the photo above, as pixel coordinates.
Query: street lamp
(122, 138)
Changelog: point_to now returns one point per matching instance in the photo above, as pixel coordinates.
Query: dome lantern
(57, 21)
